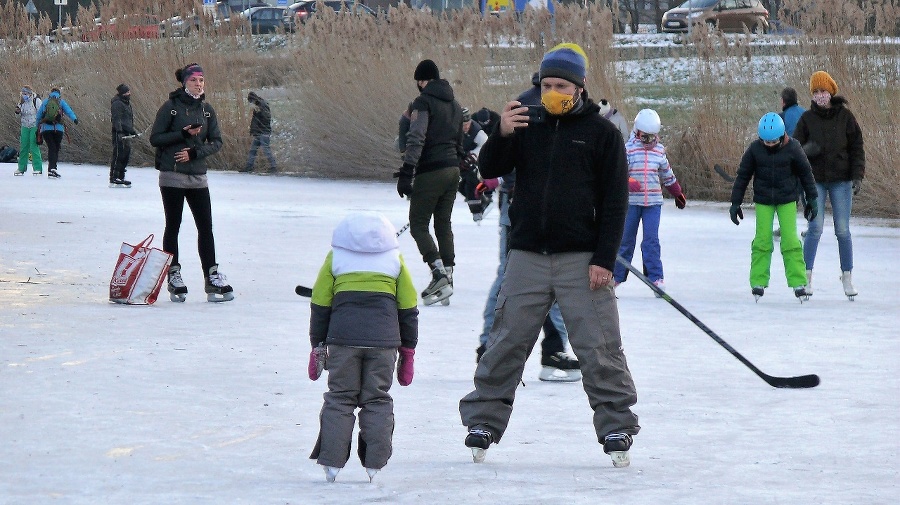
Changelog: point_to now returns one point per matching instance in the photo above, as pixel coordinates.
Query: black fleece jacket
(571, 184)
(168, 135)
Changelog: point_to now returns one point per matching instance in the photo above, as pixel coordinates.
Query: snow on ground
(201, 403)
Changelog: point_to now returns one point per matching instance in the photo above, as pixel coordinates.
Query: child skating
(648, 172)
(362, 315)
(775, 162)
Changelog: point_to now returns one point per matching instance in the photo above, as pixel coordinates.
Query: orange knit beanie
(821, 80)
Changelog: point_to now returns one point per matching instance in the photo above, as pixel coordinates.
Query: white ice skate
(847, 281)
(330, 472)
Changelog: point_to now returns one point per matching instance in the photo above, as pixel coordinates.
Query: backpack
(53, 111)
(8, 154)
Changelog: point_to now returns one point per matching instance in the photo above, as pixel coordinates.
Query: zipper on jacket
(544, 203)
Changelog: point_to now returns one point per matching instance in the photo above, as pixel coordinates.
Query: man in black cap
(122, 131)
(430, 175)
(261, 131)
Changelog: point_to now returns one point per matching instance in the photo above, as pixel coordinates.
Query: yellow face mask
(557, 103)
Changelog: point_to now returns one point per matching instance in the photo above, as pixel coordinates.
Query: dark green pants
(433, 195)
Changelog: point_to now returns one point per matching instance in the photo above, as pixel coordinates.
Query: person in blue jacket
(50, 117)
(790, 110)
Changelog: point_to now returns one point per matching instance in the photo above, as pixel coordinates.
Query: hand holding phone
(536, 113)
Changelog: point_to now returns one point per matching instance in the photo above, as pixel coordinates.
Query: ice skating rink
(202, 403)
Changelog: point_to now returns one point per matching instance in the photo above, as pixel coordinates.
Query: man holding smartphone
(567, 220)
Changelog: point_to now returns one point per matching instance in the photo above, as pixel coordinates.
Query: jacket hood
(440, 89)
(367, 232)
(54, 94)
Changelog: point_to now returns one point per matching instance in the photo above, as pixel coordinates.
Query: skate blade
(851, 297)
(440, 296)
(123, 186)
(478, 454)
(620, 459)
(178, 298)
(215, 297)
(371, 473)
(550, 374)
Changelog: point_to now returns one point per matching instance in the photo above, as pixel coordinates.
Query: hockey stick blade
(307, 292)
(725, 175)
(799, 382)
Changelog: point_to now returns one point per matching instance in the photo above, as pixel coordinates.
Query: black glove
(76, 121)
(811, 210)
(405, 180)
(857, 185)
(736, 213)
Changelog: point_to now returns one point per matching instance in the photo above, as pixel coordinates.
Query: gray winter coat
(122, 116)
(168, 135)
(28, 111)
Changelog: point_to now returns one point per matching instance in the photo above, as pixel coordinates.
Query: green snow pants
(28, 145)
(763, 245)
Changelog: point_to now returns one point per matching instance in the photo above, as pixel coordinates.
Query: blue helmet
(771, 127)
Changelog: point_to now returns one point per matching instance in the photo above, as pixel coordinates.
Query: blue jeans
(555, 316)
(260, 141)
(841, 196)
(650, 250)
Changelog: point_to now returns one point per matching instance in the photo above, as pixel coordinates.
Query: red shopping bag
(139, 274)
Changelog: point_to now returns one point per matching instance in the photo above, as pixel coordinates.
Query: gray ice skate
(216, 288)
(177, 289)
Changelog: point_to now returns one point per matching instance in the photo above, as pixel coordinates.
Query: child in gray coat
(363, 312)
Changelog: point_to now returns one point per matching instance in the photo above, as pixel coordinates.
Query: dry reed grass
(337, 87)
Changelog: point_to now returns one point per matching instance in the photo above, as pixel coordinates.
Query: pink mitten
(633, 185)
(405, 366)
(676, 192)
(316, 362)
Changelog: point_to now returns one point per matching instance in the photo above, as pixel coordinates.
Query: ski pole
(802, 381)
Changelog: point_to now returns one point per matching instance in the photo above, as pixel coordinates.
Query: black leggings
(198, 200)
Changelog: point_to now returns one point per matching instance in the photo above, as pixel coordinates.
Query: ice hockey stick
(802, 381)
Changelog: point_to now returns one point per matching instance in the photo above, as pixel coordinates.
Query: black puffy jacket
(167, 136)
(775, 172)
(121, 116)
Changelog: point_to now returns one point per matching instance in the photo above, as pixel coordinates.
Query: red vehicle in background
(139, 26)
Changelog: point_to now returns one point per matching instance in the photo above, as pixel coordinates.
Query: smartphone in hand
(536, 113)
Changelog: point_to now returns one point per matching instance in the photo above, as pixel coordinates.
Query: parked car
(264, 19)
(724, 15)
(298, 13)
(137, 26)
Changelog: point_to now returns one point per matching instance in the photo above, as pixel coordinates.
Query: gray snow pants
(357, 377)
(533, 281)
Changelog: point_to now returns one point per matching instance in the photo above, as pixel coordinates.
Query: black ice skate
(559, 367)
(801, 294)
(758, 292)
(119, 183)
(177, 289)
(53, 174)
(216, 288)
(479, 441)
(617, 445)
(441, 286)
(479, 207)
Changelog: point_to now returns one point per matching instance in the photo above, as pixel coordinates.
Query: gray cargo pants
(533, 281)
(357, 377)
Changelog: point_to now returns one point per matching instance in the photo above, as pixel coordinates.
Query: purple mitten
(633, 185)
(405, 366)
(316, 362)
